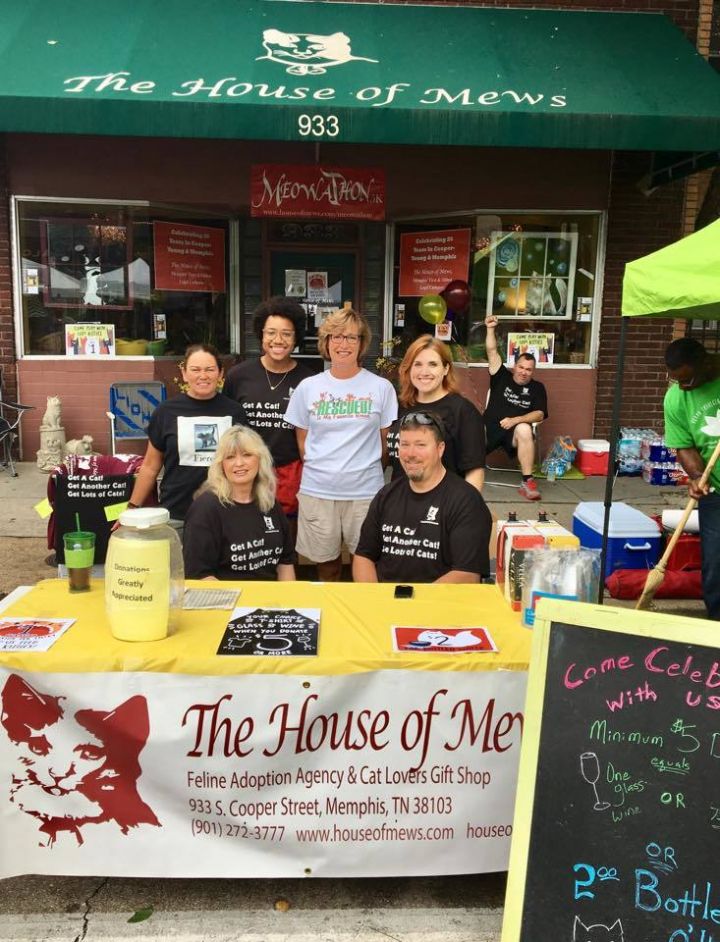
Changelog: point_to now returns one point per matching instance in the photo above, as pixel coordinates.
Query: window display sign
(532, 274)
(89, 340)
(87, 264)
(189, 258)
(429, 260)
(318, 192)
(541, 346)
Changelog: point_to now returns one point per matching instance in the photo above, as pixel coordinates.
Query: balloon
(432, 308)
(457, 296)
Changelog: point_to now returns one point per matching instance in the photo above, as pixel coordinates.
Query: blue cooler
(633, 537)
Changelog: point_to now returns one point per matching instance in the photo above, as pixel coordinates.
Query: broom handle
(691, 505)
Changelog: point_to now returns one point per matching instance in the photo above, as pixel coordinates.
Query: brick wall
(637, 225)
(7, 343)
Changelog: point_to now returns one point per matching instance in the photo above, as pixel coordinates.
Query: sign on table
(617, 828)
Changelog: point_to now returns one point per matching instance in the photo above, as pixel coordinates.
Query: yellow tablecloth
(355, 631)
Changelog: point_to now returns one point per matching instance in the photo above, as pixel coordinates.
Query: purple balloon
(457, 296)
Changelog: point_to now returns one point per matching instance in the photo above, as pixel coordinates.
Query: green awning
(375, 73)
(680, 280)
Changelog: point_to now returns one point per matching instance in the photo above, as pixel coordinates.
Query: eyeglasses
(282, 334)
(350, 339)
(422, 418)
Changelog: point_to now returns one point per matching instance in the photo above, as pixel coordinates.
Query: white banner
(141, 774)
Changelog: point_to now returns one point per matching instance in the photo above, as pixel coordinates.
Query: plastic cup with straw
(79, 557)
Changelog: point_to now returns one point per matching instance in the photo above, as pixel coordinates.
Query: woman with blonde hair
(235, 528)
(427, 382)
(341, 419)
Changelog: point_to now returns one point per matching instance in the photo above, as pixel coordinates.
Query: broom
(656, 575)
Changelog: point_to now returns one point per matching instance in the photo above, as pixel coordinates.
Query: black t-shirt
(237, 541)
(509, 399)
(249, 385)
(464, 434)
(187, 432)
(415, 537)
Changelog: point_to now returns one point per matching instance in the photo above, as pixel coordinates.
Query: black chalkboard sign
(88, 496)
(617, 825)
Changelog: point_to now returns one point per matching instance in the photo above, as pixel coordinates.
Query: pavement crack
(88, 909)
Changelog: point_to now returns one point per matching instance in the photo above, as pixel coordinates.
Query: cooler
(593, 456)
(633, 537)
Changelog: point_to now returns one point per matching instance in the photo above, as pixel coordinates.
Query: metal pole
(612, 459)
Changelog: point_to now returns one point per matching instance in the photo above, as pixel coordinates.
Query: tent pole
(614, 435)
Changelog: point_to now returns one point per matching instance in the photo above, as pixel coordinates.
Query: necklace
(280, 381)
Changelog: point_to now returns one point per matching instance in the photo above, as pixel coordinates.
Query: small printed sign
(272, 632)
(438, 639)
(90, 340)
(541, 346)
(31, 634)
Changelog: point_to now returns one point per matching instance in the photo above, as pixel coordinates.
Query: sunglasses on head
(422, 418)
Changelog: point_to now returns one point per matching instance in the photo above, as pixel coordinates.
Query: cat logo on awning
(308, 53)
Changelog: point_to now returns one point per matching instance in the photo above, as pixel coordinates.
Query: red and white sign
(189, 258)
(429, 260)
(317, 192)
(266, 775)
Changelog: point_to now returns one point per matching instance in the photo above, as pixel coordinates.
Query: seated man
(516, 402)
(431, 526)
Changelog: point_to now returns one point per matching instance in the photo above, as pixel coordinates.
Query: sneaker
(529, 489)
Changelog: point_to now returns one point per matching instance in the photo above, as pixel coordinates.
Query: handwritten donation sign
(617, 824)
(430, 260)
(257, 774)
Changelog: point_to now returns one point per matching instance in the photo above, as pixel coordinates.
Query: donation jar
(144, 576)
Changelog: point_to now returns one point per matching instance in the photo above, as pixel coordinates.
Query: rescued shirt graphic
(431, 516)
(198, 438)
(308, 53)
(75, 769)
(342, 407)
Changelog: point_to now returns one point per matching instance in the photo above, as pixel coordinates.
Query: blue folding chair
(131, 405)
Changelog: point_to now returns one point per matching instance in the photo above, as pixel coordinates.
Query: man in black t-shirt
(516, 403)
(430, 526)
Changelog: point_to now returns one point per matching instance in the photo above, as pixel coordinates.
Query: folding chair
(131, 405)
(536, 436)
(8, 432)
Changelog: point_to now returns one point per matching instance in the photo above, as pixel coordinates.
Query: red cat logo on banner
(317, 192)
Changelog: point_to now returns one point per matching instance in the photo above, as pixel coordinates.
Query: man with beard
(430, 526)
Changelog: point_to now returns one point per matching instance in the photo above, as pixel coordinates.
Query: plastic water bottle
(551, 472)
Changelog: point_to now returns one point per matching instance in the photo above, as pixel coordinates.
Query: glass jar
(144, 576)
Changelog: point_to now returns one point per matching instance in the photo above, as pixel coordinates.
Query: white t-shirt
(343, 418)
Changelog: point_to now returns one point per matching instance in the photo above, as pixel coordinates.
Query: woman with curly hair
(427, 380)
(235, 528)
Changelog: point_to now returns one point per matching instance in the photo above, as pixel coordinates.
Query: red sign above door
(317, 192)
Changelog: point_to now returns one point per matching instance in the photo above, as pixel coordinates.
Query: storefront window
(125, 279)
(538, 272)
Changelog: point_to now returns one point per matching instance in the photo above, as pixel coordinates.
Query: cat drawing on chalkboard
(597, 932)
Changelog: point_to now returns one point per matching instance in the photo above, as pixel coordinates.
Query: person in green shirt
(692, 426)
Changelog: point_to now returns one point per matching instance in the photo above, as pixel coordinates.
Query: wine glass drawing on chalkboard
(590, 771)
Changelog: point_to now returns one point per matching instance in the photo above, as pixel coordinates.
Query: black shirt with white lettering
(238, 541)
(250, 384)
(464, 434)
(418, 537)
(509, 399)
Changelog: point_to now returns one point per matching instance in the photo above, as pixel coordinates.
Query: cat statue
(75, 769)
(51, 419)
(598, 932)
(79, 446)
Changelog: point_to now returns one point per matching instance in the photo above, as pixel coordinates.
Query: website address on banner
(384, 832)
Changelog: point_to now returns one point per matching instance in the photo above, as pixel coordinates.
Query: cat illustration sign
(308, 53)
(75, 769)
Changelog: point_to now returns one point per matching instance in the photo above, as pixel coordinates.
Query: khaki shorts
(324, 525)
